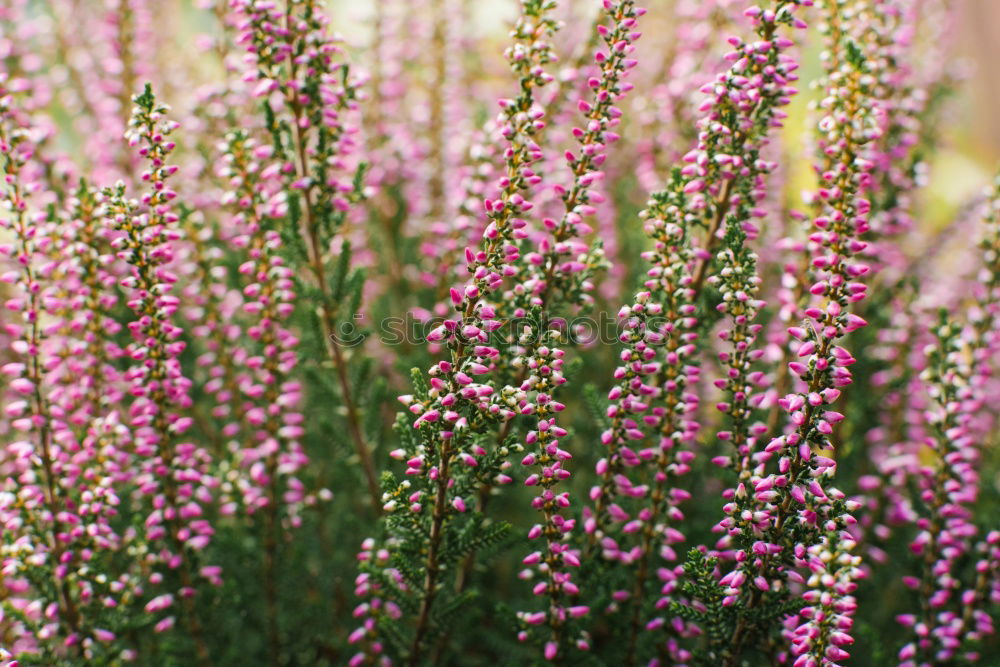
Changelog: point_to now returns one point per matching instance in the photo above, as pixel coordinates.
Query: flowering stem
(302, 45)
(270, 286)
(431, 566)
(41, 417)
(142, 243)
(328, 310)
(720, 204)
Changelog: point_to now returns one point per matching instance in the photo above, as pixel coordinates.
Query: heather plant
(395, 340)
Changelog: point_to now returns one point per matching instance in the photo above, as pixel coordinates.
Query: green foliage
(738, 631)
(855, 55)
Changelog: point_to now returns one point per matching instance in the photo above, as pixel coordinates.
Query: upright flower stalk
(789, 519)
(171, 475)
(947, 488)
(952, 619)
(668, 122)
(739, 285)
(32, 539)
(653, 397)
(452, 404)
(64, 480)
(101, 385)
(271, 396)
(850, 124)
(309, 99)
(560, 271)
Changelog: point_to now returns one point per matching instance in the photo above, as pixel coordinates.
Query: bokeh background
(317, 588)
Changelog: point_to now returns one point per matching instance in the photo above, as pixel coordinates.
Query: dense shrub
(655, 405)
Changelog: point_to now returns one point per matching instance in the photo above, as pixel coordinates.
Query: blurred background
(186, 54)
(971, 134)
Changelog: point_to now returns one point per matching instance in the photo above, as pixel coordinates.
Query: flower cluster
(784, 520)
(718, 187)
(821, 512)
(173, 476)
(560, 272)
(951, 619)
(456, 400)
(310, 99)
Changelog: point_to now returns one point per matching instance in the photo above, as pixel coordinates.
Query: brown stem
(721, 208)
(327, 309)
(431, 565)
